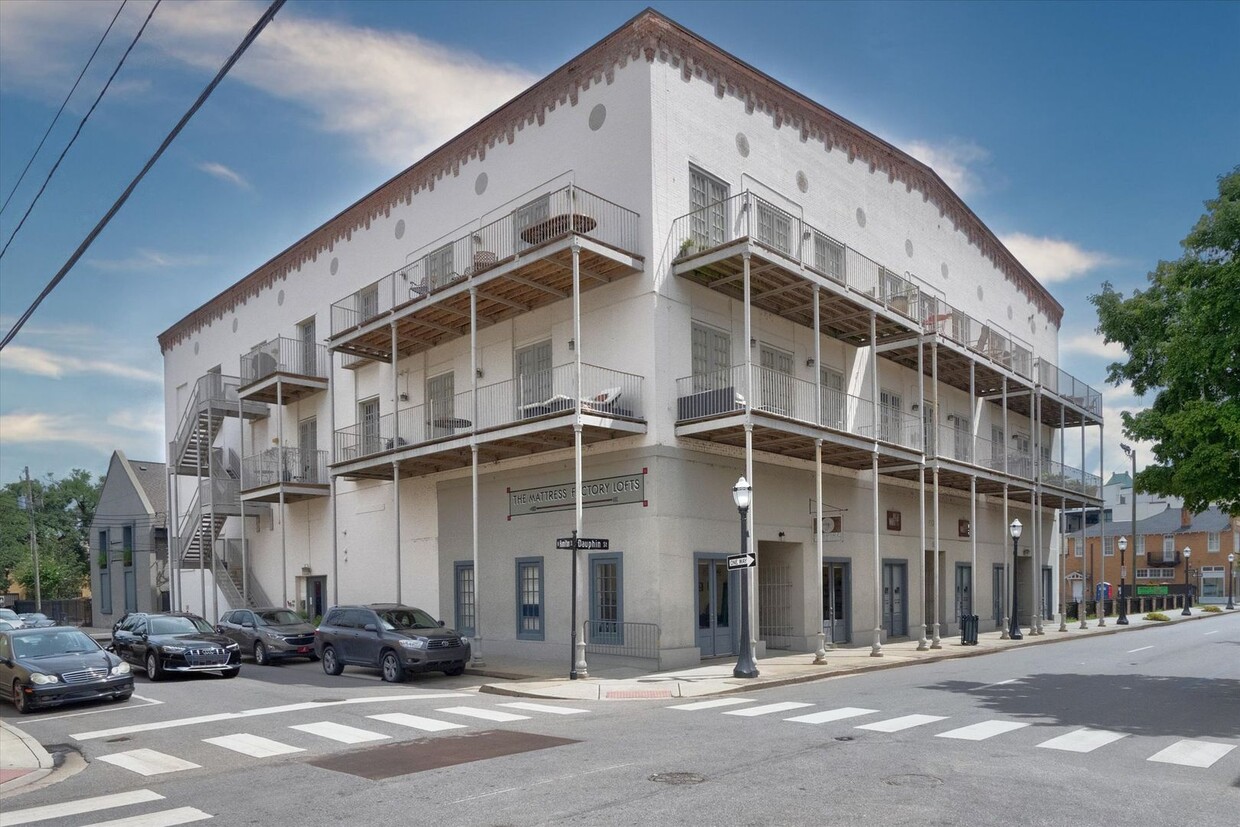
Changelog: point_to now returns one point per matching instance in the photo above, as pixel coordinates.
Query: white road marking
(72, 808)
(340, 732)
(484, 714)
(768, 709)
(1192, 753)
(712, 704)
(163, 818)
(148, 762)
(252, 713)
(253, 745)
(1083, 740)
(553, 710)
(1215, 632)
(982, 731)
(832, 715)
(999, 683)
(424, 724)
(1141, 649)
(903, 722)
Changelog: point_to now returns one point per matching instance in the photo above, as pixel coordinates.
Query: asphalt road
(991, 740)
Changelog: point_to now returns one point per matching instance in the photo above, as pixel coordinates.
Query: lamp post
(1231, 558)
(1122, 620)
(1187, 553)
(745, 666)
(1131, 453)
(1015, 529)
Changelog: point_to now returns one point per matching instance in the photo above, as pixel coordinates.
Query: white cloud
(224, 174)
(1051, 259)
(145, 259)
(38, 361)
(957, 162)
(1091, 344)
(140, 435)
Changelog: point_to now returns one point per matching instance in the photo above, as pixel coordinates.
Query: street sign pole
(572, 652)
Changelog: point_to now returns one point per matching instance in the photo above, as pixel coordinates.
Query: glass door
(964, 596)
(714, 607)
(836, 610)
(997, 591)
(895, 586)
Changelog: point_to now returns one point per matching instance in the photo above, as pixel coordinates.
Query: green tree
(1182, 337)
(63, 511)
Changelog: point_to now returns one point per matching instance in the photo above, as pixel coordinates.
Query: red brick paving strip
(391, 760)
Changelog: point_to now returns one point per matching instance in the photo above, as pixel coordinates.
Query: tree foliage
(1182, 337)
(63, 511)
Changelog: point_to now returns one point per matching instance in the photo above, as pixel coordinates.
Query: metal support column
(922, 643)
(935, 641)
(579, 642)
(1005, 634)
(476, 648)
(395, 465)
(280, 472)
(750, 573)
(333, 489)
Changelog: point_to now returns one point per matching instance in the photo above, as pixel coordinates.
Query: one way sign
(741, 561)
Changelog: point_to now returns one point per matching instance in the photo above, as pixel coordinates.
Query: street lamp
(1015, 529)
(1122, 620)
(1131, 453)
(1231, 558)
(745, 666)
(1187, 553)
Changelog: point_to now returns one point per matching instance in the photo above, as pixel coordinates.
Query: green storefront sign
(1151, 591)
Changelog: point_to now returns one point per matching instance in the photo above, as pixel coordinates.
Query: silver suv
(389, 637)
(269, 634)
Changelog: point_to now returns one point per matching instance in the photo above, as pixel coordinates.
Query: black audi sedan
(171, 642)
(59, 665)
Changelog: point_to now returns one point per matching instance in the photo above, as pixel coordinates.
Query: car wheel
(231, 673)
(152, 667)
(393, 672)
(331, 665)
(454, 671)
(260, 654)
(19, 699)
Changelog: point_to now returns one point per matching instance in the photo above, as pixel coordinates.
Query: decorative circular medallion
(598, 116)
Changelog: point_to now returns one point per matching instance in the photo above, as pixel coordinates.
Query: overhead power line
(176, 130)
(78, 131)
(63, 104)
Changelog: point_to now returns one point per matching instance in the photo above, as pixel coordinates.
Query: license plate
(303, 650)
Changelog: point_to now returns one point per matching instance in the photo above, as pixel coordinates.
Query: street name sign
(584, 543)
(741, 561)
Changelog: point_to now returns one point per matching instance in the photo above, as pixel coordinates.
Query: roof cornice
(649, 36)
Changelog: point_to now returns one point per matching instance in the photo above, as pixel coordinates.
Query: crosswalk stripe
(148, 762)
(1083, 740)
(416, 722)
(903, 722)
(252, 745)
(553, 710)
(712, 704)
(72, 808)
(831, 715)
(768, 709)
(982, 731)
(163, 818)
(1192, 753)
(484, 714)
(340, 732)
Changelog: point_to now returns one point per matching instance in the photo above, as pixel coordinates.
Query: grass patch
(1159, 616)
(1211, 608)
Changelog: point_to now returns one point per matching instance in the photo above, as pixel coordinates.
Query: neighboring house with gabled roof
(129, 541)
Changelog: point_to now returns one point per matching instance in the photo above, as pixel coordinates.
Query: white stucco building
(655, 270)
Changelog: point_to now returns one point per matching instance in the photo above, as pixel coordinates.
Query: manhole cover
(117, 740)
(912, 780)
(845, 738)
(678, 778)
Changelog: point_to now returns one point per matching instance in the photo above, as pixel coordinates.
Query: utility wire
(176, 130)
(85, 117)
(65, 103)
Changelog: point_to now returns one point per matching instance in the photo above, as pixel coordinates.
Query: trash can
(968, 630)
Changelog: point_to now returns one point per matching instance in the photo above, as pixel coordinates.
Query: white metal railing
(283, 465)
(284, 355)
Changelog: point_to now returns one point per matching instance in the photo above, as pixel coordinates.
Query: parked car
(10, 616)
(269, 634)
(36, 620)
(392, 638)
(59, 665)
(163, 642)
(5, 626)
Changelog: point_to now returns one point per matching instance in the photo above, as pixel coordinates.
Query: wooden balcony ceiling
(293, 492)
(293, 388)
(954, 361)
(518, 286)
(771, 439)
(782, 289)
(1051, 407)
(953, 477)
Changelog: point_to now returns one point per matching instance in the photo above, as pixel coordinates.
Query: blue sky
(1086, 135)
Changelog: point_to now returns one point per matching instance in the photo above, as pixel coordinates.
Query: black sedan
(167, 642)
(59, 665)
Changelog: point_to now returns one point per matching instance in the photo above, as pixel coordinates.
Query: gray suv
(269, 634)
(392, 638)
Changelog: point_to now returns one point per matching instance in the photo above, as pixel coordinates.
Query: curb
(44, 762)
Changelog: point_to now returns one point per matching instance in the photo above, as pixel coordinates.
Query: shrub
(1211, 608)
(1159, 616)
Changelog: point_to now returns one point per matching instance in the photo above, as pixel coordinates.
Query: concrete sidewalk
(784, 669)
(22, 759)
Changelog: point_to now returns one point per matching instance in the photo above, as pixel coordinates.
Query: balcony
(293, 473)
(1163, 559)
(790, 414)
(515, 264)
(527, 415)
(283, 370)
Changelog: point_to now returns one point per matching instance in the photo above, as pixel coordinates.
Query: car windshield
(407, 619)
(279, 617)
(179, 626)
(71, 642)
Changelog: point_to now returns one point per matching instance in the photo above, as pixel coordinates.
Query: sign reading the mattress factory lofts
(623, 490)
